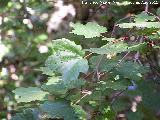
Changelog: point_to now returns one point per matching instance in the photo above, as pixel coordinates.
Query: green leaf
(89, 30)
(109, 39)
(137, 47)
(68, 66)
(72, 68)
(56, 85)
(110, 48)
(27, 114)
(29, 94)
(40, 38)
(140, 25)
(69, 46)
(120, 104)
(80, 113)
(144, 17)
(115, 85)
(135, 115)
(58, 110)
(106, 64)
(67, 60)
(131, 70)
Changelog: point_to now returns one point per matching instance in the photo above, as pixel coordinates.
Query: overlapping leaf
(67, 60)
(89, 30)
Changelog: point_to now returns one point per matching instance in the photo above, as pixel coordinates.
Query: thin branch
(86, 94)
(88, 55)
(115, 98)
(96, 73)
(137, 55)
(115, 25)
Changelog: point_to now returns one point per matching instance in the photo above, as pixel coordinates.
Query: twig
(136, 56)
(96, 68)
(115, 25)
(86, 93)
(114, 99)
(88, 55)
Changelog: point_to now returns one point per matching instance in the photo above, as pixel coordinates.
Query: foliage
(97, 82)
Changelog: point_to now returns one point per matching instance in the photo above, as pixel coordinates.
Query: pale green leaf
(56, 85)
(67, 45)
(89, 30)
(110, 48)
(144, 17)
(140, 25)
(72, 68)
(29, 94)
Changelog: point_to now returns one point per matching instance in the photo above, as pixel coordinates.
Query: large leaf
(29, 94)
(89, 30)
(67, 60)
(58, 110)
(69, 67)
